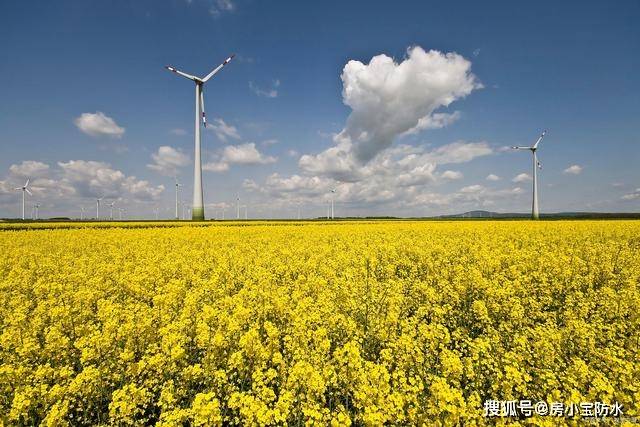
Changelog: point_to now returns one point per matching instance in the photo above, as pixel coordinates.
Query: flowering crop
(342, 323)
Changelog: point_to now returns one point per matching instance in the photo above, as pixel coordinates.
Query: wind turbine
(98, 208)
(156, 211)
(81, 213)
(333, 191)
(198, 206)
(177, 187)
(238, 206)
(36, 210)
(120, 211)
(24, 190)
(535, 214)
(111, 210)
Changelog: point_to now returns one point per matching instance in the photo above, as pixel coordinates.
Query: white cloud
(267, 93)
(292, 153)
(178, 132)
(98, 124)
(99, 179)
(242, 154)
(476, 188)
(389, 99)
(216, 167)
(268, 142)
(28, 169)
(223, 130)
(434, 121)
(245, 154)
(492, 177)
(168, 160)
(523, 177)
(449, 174)
(635, 195)
(573, 170)
(459, 152)
(220, 6)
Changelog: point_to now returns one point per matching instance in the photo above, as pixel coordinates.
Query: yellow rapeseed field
(346, 323)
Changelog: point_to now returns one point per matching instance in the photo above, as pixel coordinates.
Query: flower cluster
(347, 323)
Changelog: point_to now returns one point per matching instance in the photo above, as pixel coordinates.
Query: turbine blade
(539, 165)
(188, 76)
(218, 68)
(18, 188)
(539, 139)
(204, 116)
(27, 190)
(26, 184)
(521, 148)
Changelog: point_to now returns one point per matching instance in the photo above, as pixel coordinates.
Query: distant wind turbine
(178, 185)
(332, 193)
(81, 213)
(111, 210)
(24, 189)
(198, 206)
(98, 207)
(36, 210)
(120, 212)
(535, 214)
(238, 206)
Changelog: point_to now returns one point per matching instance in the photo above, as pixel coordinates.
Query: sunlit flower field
(345, 323)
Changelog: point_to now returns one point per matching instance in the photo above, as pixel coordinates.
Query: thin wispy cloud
(271, 92)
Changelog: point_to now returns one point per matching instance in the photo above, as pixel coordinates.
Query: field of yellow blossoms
(345, 323)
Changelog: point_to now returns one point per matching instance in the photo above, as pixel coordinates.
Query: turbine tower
(98, 208)
(332, 193)
(198, 206)
(36, 210)
(535, 214)
(81, 213)
(238, 206)
(177, 187)
(24, 190)
(111, 210)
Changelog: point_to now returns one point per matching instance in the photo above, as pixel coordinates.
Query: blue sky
(87, 105)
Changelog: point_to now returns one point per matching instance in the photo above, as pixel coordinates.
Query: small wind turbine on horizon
(535, 214)
(36, 210)
(178, 185)
(81, 213)
(24, 189)
(98, 207)
(333, 191)
(198, 205)
(111, 210)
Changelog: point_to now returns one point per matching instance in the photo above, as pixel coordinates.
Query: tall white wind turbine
(535, 214)
(81, 213)
(24, 189)
(198, 205)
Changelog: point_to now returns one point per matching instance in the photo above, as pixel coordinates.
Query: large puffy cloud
(28, 169)
(389, 99)
(99, 179)
(400, 175)
(168, 160)
(98, 124)
(242, 154)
